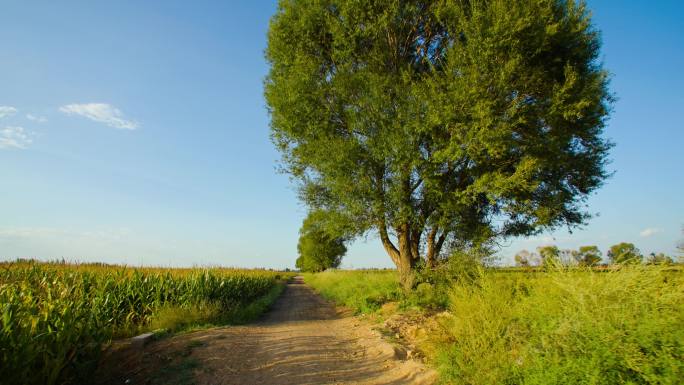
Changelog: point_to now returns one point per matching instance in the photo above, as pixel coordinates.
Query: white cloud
(101, 113)
(7, 111)
(35, 118)
(645, 233)
(14, 137)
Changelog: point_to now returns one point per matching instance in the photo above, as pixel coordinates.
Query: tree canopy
(588, 256)
(439, 124)
(523, 258)
(625, 253)
(550, 256)
(659, 259)
(318, 248)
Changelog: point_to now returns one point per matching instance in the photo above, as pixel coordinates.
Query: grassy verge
(364, 291)
(562, 327)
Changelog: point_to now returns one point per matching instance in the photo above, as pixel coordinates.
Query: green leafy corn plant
(56, 317)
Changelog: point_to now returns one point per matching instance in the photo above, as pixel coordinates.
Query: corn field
(55, 318)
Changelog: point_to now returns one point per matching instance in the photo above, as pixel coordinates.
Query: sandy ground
(302, 340)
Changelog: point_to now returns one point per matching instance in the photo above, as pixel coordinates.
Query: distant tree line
(620, 254)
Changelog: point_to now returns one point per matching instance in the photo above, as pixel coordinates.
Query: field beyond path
(302, 340)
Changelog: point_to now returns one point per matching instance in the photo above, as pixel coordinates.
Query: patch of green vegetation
(622, 326)
(256, 308)
(56, 316)
(563, 327)
(173, 319)
(364, 291)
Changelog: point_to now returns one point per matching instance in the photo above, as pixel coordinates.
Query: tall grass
(55, 317)
(362, 290)
(577, 326)
(565, 327)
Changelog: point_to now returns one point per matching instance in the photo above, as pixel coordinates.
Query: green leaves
(588, 256)
(56, 318)
(321, 243)
(468, 119)
(625, 253)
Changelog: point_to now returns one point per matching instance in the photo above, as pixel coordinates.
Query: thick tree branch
(390, 248)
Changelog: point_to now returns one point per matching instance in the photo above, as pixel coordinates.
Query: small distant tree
(550, 256)
(625, 253)
(523, 258)
(659, 259)
(588, 256)
(567, 257)
(319, 249)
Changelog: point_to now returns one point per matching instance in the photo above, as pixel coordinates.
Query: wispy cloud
(645, 233)
(7, 111)
(101, 113)
(14, 137)
(34, 118)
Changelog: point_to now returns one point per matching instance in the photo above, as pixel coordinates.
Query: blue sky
(136, 132)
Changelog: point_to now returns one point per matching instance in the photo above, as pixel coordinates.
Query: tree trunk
(415, 245)
(434, 246)
(406, 260)
(430, 252)
(402, 256)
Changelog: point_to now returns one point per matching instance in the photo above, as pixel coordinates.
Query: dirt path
(302, 340)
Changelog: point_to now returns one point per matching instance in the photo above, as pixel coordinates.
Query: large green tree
(437, 123)
(319, 247)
